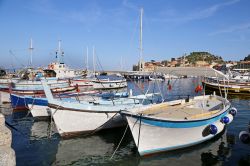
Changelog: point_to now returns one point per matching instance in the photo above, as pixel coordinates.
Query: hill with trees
(193, 57)
(247, 58)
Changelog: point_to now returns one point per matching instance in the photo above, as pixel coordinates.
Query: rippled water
(37, 143)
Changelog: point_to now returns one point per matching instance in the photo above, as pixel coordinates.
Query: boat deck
(188, 110)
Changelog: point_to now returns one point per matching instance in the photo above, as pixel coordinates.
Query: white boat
(109, 84)
(180, 123)
(5, 81)
(61, 70)
(74, 117)
(229, 88)
(39, 106)
(177, 124)
(29, 87)
(81, 82)
(169, 76)
(156, 78)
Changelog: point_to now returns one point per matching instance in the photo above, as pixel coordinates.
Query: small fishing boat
(81, 82)
(74, 117)
(38, 104)
(156, 78)
(109, 84)
(5, 80)
(169, 76)
(230, 87)
(179, 123)
(137, 76)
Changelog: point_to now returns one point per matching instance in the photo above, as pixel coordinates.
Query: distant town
(195, 59)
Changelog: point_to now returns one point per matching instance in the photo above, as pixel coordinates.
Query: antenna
(31, 52)
(60, 53)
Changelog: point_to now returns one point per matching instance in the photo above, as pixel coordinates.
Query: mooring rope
(124, 136)
(138, 142)
(120, 142)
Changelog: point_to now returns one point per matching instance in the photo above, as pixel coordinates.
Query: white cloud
(130, 5)
(231, 29)
(197, 15)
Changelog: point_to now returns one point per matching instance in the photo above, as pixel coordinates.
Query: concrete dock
(7, 154)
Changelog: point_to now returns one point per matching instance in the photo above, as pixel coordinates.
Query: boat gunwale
(58, 107)
(160, 119)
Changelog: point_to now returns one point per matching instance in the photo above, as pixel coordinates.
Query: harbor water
(37, 143)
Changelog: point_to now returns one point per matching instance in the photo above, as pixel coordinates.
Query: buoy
(213, 129)
(227, 119)
(198, 88)
(244, 137)
(233, 111)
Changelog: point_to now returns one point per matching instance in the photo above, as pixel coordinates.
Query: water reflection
(42, 130)
(96, 149)
(32, 141)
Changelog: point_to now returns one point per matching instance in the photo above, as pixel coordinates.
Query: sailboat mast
(141, 48)
(31, 52)
(87, 59)
(121, 64)
(94, 59)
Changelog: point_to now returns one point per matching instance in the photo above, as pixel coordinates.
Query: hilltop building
(147, 66)
(194, 59)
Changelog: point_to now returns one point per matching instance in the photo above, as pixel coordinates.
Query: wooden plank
(203, 114)
(155, 108)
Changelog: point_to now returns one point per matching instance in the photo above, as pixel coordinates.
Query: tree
(247, 58)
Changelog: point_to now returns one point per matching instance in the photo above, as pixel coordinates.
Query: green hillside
(203, 56)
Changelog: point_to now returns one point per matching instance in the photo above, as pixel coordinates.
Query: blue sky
(170, 29)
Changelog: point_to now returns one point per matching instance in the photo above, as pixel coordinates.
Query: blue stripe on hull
(182, 124)
(23, 101)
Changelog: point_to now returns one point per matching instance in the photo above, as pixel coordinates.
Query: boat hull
(161, 136)
(21, 102)
(70, 123)
(82, 83)
(230, 89)
(109, 84)
(39, 111)
(4, 97)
